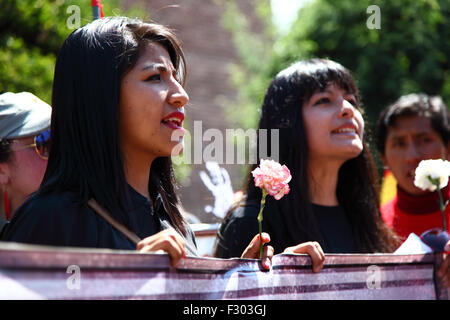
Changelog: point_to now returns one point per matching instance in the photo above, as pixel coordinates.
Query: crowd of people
(105, 178)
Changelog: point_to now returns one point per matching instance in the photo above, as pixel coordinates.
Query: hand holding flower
(252, 250)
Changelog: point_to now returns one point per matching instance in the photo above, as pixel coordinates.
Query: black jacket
(61, 219)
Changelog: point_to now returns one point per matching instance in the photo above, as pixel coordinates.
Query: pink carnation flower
(273, 177)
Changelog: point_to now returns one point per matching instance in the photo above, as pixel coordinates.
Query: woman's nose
(346, 109)
(178, 97)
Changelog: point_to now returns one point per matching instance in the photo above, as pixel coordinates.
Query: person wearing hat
(24, 138)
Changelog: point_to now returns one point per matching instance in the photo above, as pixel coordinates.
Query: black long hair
(86, 155)
(358, 184)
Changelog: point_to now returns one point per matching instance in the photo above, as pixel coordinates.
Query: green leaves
(31, 33)
(410, 53)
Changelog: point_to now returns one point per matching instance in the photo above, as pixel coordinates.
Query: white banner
(38, 272)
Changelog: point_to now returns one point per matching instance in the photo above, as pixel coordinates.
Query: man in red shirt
(414, 128)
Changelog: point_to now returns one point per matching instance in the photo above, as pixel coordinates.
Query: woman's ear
(4, 173)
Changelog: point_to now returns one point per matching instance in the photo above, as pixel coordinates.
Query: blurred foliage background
(409, 53)
(31, 33)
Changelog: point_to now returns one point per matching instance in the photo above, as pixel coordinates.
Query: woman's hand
(313, 249)
(252, 250)
(168, 241)
(444, 269)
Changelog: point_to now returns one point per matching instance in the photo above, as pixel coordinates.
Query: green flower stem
(260, 219)
(442, 205)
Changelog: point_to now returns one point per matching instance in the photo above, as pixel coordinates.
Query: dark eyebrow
(155, 66)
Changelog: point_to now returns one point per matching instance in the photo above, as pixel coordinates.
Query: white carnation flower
(436, 170)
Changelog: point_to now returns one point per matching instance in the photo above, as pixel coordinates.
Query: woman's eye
(353, 102)
(322, 101)
(155, 77)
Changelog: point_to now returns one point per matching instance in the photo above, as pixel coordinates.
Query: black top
(335, 229)
(62, 219)
(241, 226)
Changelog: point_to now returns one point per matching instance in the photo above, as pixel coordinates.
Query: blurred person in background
(24, 146)
(414, 128)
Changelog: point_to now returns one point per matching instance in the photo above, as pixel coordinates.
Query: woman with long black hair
(118, 107)
(334, 199)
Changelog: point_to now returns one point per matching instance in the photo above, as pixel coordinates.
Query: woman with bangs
(334, 199)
